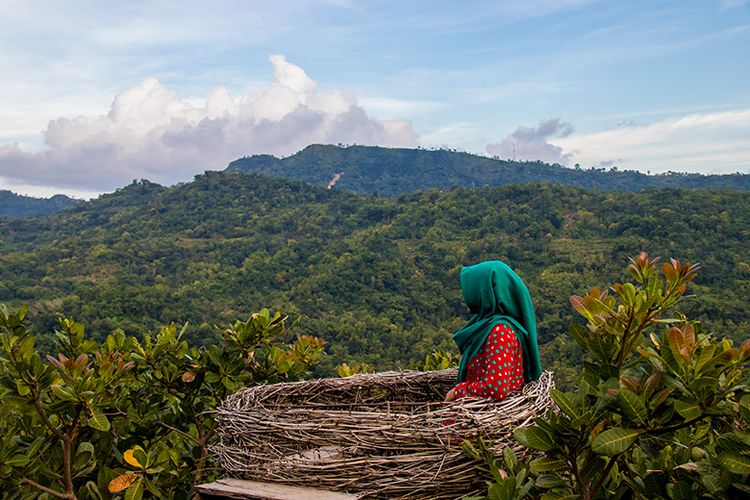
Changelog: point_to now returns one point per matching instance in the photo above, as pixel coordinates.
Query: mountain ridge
(395, 171)
(18, 205)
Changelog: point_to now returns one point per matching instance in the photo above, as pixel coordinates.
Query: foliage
(126, 415)
(510, 478)
(376, 278)
(395, 171)
(438, 360)
(655, 414)
(344, 370)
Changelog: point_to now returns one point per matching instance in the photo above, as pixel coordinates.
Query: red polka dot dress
(497, 368)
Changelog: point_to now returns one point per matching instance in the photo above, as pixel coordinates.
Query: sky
(95, 94)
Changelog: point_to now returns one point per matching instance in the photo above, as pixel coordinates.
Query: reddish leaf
(121, 482)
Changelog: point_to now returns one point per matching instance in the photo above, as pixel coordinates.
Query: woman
(498, 345)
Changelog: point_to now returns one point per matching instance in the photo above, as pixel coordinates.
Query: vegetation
(376, 278)
(389, 172)
(126, 415)
(16, 205)
(660, 410)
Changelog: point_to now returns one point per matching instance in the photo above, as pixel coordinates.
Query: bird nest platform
(380, 435)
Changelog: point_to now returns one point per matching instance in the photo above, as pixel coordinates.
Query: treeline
(376, 278)
(395, 171)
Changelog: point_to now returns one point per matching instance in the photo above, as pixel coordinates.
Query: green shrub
(127, 416)
(660, 410)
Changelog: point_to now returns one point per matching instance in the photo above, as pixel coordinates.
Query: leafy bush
(126, 415)
(655, 414)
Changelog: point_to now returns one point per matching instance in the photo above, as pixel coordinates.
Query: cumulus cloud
(150, 132)
(706, 143)
(532, 143)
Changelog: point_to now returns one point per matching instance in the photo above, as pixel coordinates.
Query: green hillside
(16, 205)
(377, 278)
(388, 172)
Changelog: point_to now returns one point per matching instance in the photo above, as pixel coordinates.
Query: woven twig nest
(383, 434)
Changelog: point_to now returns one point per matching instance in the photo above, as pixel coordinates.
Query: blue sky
(95, 94)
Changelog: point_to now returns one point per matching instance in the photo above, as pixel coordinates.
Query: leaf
(677, 342)
(565, 403)
(98, 420)
(632, 406)
(85, 448)
(535, 438)
(577, 302)
(705, 356)
(650, 385)
(17, 461)
(135, 491)
(614, 441)
(660, 397)
(734, 462)
(23, 389)
(510, 459)
(188, 376)
(129, 457)
(681, 490)
(546, 464)
(688, 410)
(549, 481)
(121, 482)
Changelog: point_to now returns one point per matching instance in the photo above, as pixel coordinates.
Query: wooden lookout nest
(377, 435)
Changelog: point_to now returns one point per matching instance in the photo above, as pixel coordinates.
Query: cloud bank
(532, 143)
(150, 132)
(706, 143)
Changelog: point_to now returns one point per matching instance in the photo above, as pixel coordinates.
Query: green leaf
(546, 464)
(18, 461)
(135, 491)
(502, 490)
(548, 481)
(510, 459)
(688, 410)
(565, 402)
(735, 462)
(535, 438)
(650, 385)
(23, 389)
(660, 397)
(705, 356)
(614, 441)
(98, 420)
(745, 406)
(63, 392)
(632, 406)
(681, 490)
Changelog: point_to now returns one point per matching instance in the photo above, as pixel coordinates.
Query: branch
(40, 487)
(183, 433)
(57, 432)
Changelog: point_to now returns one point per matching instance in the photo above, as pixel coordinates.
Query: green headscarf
(498, 295)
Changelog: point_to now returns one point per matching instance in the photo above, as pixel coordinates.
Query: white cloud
(150, 132)
(703, 142)
(532, 143)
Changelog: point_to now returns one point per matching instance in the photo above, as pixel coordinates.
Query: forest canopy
(376, 278)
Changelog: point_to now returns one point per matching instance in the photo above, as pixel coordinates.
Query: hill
(377, 278)
(389, 172)
(16, 205)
